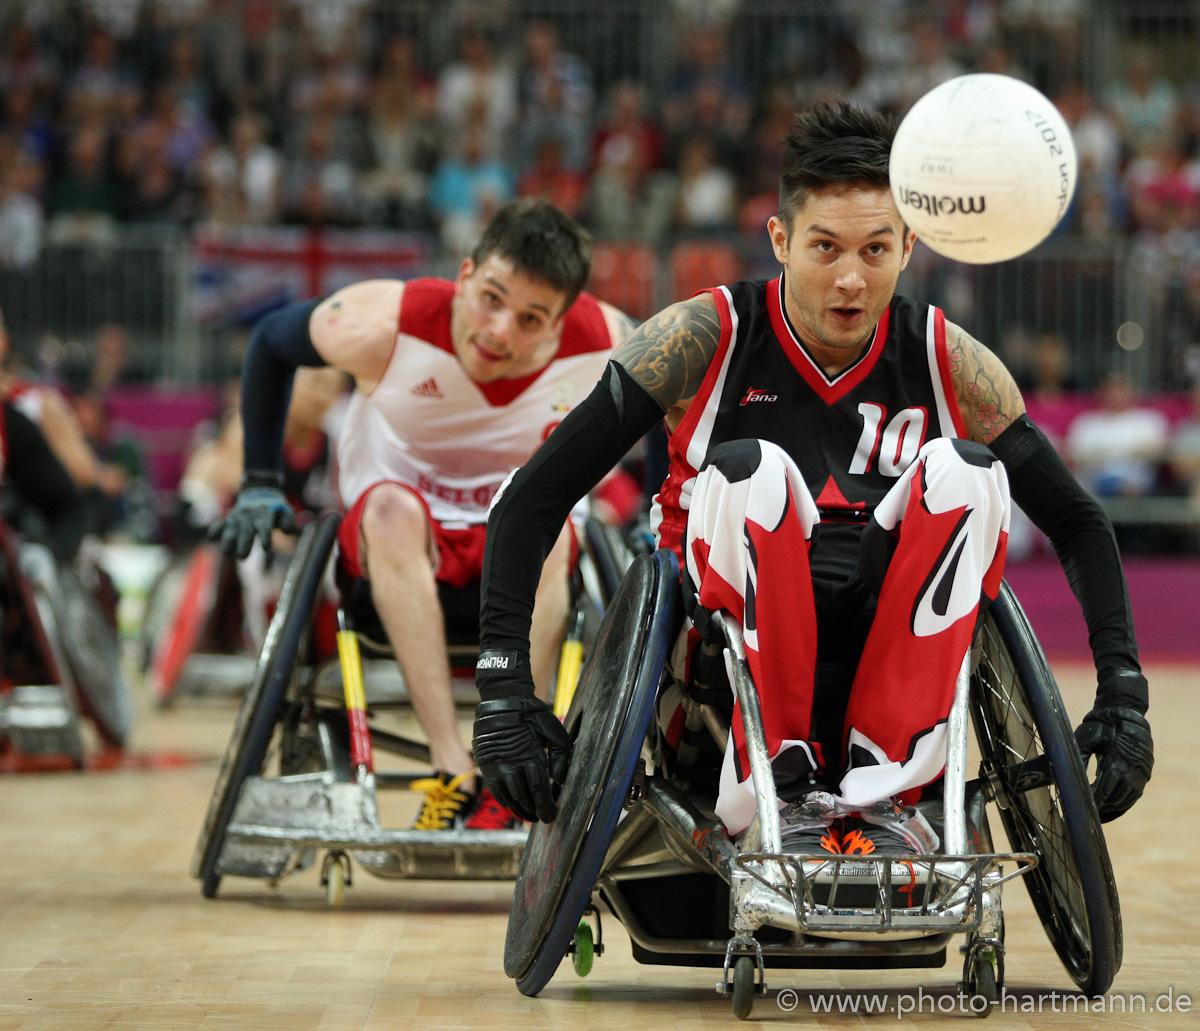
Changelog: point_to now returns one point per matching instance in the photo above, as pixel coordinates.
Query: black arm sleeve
(278, 346)
(529, 512)
(1082, 537)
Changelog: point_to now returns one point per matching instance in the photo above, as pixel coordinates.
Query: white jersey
(430, 426)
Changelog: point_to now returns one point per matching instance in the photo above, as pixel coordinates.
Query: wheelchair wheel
(94, 655)
(611, 555)
(262, 704)
(609, 718)
(1046, 806)
(177, 612)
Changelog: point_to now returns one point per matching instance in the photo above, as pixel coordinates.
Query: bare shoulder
(670, 352)
(354, 329)
(620, 326)
(988, 397)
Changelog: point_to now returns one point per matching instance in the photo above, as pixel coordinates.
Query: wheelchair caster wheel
(335, 878)
(981, 985)
(743, 987)
(582, 952)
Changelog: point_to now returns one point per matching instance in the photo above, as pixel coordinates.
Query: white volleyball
(983, 168)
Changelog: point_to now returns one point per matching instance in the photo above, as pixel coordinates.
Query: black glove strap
(262, 478)
(1123, 687)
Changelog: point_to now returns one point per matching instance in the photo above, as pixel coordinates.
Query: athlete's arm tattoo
(669, 353)
(988, 398)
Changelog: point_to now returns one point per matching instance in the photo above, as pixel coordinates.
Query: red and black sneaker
(490, 815)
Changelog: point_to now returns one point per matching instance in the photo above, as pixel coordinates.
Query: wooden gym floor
(103, 928)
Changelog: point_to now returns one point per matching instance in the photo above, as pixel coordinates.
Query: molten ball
(983, 168)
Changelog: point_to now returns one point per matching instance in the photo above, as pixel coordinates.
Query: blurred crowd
(650, 123)
(295, 111)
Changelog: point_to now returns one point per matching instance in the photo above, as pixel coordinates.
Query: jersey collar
(830, 389)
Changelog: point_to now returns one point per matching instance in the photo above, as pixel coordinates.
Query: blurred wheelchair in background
(60, 662)
(636, 829)
(300, 774)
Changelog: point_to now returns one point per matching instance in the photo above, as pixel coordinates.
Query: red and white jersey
(428, 425)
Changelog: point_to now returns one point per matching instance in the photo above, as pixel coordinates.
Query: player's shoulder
(590, 326)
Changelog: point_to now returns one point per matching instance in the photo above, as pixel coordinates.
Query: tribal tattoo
(987, 395)
(669, 353)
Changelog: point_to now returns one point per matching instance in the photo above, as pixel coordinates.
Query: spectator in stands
(319, 187)
(405, 138)
(243, 179)
(628, 200)
(468, 187)
(21, 220)
(930, 63)
(82, 199)
(556, 97)
(25, 125)
(478, 92)
(548, 177)
(1144, 103)
(103, 87)
(1163, 194)
(707, 194)
(1117, 449)
(707, 94)
(627, 130)
(1183, 452)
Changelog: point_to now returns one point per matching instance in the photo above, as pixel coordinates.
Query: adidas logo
(428, 388)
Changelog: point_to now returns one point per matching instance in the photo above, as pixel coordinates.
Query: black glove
(259, 508)
(520, 747)
(1117, 733)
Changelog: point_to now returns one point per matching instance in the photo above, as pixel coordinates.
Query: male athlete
(456, 384)
(840, 466)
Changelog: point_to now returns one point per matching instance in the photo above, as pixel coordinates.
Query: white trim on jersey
(829, 382)
(935, 376)
(697, 448)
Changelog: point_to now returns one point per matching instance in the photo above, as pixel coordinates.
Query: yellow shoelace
(442, 801)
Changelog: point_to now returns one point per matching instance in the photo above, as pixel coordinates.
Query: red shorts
(458, 554)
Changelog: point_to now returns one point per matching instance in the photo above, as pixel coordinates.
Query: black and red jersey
(852, 435)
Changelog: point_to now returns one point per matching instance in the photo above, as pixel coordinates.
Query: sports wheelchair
(636, 830)
(299, 773)
(60, 663)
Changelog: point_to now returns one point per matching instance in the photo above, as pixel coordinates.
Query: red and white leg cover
(948, 515)
(746, 548)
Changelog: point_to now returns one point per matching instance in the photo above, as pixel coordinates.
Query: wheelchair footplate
(891, 896)
(279, 822)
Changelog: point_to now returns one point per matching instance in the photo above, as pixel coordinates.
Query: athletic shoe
(812, 825)
(490, 815)
(896, 829)
(445, 804)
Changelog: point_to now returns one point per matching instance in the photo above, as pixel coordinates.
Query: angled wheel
(609, 718)
(94, 655)
(178, 608)
(1046, 806)
(611, 555)
(263, 704)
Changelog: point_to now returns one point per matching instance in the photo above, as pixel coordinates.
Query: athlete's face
(842, 256)
(504, 324)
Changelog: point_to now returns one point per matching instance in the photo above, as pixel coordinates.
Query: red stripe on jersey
(828, 390)
(425, 311)
(943, 363)
(669, 498)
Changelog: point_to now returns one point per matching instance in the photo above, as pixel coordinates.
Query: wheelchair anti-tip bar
(952, 889)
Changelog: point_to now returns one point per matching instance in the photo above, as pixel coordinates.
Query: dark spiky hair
(541, 242)
(836, 144)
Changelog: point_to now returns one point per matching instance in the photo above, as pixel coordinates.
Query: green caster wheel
(582, 952)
